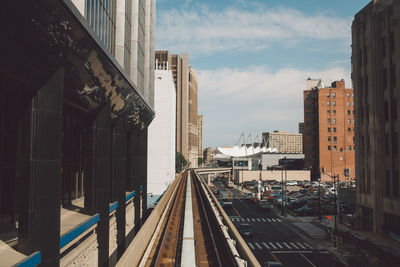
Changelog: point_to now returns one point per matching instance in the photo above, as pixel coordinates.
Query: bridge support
(209, 179)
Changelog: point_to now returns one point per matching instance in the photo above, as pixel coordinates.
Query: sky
(252, 58)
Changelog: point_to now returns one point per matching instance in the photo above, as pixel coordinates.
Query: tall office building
(192, 124)
(180, 71)
(200, 134)
(329, 130)
(284, 142)
(77, 81)
(376, 72)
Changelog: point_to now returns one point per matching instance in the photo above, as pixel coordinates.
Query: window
(352, 103)
(341, 149)
(334, 103)
(329, 139)
(333, 95)
(352, 95)
(334, 130)
(329, 147)
(384, 46)
(329, 129)
(328, 112)
(335, 139)
(348, 121)
(349, 130)
(348, 95)
(328, 94)
(334, 112)
(334, 148)
(384, 78)
(334, 121)
(328, 103)
(329, 121)
(394, 109)
(393, 76)
(392, 46)
(386, 110)
(348, 112)
(349, 148)
(348, 104)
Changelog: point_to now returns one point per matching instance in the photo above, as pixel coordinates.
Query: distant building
(180, 72)
(200, 129)
(375, 74)
(329, 129)
(209, 154)
(284, 142)
(192, 123)
(301, 127)
(161, 133)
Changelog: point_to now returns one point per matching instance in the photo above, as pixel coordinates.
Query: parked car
(291, 183)
(245, 230)
(305, 211)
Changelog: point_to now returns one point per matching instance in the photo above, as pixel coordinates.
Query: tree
(200, 161)
(180, 162)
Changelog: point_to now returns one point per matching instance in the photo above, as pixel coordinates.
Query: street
(276, 238)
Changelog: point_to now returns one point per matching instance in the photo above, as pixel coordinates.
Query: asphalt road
(275, 238)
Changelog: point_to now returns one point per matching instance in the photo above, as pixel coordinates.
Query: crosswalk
(311, 229)
(260, 220)
(281, 245)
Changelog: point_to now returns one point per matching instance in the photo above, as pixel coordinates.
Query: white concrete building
(161, 135)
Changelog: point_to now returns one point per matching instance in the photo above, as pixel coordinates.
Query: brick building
(329, 129)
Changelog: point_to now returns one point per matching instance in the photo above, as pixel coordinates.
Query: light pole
(335, 187)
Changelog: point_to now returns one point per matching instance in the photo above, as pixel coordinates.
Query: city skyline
(252, 59)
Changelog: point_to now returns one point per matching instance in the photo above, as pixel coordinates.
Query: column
(40, 181)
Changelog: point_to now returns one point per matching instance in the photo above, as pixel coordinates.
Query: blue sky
(252, 58)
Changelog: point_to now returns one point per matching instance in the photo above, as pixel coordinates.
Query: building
(200, 135)
(180, 71)
(192, 123)
(209, 154)
(76, 102)
(284, 142)
(161, 134)
(376, 72)
(301, 127)
(329, 130)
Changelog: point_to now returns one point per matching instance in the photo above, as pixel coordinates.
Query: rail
(30, 261)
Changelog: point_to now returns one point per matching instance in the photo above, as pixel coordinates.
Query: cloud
(255, 100)
(200, 30)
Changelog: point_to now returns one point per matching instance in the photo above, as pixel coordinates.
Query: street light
(335, 189)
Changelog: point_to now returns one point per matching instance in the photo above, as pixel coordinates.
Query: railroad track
(191, 235)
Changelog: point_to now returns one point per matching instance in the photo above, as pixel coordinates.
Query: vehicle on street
(231, 184)
(245, 230)
(305, 211)
(272, 264)
(264, 204)
(291, 183)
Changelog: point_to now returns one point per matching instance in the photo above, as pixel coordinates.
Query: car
(272, 264)
(305, 211)
(245, 230)
(264, 204)
(291, 183)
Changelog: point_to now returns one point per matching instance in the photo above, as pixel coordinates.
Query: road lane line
(269, 219)
(235, 210)
(265, 245)
(312, 264)
(291, 243)
(263, 219)
(308, 245)
(287, 245)
(258, 245)
(272, 245)
(292, 251)
(298, 243)
(274, 256)
(279, 245)
(273, 220)
(250, 245)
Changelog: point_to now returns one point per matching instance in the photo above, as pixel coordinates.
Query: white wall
(161, 134)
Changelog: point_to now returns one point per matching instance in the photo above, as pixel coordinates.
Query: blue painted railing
(113, 206)
(31, 261)
(78, 230)
(130, 196)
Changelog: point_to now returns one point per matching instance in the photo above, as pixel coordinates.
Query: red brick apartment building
(329, 130)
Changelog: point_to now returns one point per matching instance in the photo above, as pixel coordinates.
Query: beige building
(283, 141)
(192, 124)
(375, 74)
(200, 130)
(180, 72)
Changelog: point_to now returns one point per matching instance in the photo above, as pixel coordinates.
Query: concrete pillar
(209, 179)
(135, 176)
(39, 199)
(229, 177)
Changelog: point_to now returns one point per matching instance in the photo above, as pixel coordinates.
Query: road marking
(258, 219)
(298, 243)
(258, 245)
(291, 243)
(273, 220)
(279, 245)
(292, 251)
(263, 219)
(250, 245)
(236, 211)
(253, 219)
(272, 245)
(312, 264)
(265, 245)
(287, 245)
(269, 219)
(279, 220)
(274, 256)
(242, 219)
(308, 245)
(248, 219)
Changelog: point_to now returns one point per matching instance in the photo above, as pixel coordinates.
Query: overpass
(188, 227)
(209, 171)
